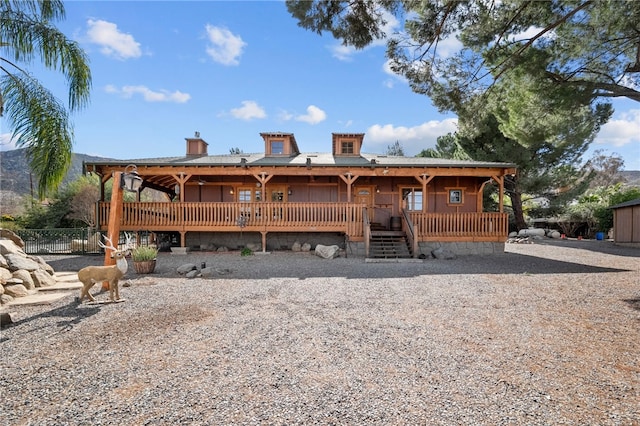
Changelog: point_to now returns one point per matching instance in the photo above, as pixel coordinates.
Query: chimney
(196, 145)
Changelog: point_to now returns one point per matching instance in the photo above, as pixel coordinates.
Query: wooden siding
(626, 225)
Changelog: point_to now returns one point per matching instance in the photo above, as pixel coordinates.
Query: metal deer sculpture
(90, 275)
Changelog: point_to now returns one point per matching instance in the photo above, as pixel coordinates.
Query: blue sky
(230, 70)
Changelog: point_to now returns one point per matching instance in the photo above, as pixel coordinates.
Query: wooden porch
(265, 217)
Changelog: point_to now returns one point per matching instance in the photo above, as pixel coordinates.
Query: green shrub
(246, 252)
(144, 253)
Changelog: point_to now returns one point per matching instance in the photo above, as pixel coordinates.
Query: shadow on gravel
(302, 266)
(607, 247)
(633, 303)
(69, 315)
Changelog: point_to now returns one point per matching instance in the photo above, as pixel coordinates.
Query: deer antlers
(127, 245)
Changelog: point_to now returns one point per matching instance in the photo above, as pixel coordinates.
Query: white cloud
(113, 42)
(6, 142)
(620, 131)
(248, 111)
(314, 115)
(225, 47)
(148, 94)
(413, 139)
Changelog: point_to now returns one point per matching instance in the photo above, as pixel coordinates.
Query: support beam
(500, 181)
(113, 230)
(348, 179)
(424, 180)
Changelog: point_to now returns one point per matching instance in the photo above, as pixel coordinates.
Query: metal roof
(317, 159)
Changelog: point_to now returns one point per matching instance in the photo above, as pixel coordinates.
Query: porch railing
(267, 216)
(460, 226)
(300, 217)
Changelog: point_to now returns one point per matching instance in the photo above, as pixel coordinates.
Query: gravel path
(544, 334)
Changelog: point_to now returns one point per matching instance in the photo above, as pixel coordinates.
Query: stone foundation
(462, 248)
(275, 240)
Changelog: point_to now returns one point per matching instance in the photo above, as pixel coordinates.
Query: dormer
(196, 145)
(280, 145)
(347, 144)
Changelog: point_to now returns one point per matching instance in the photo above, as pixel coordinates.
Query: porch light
(131, 180)
(231, 191)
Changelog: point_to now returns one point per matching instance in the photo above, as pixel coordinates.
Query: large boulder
(17, 261)
(9, 247)
(327, 252)
(10, 235)
(42, 278)
(16, 290)
(25, 276)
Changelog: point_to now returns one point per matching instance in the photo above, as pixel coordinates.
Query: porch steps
(389, 245)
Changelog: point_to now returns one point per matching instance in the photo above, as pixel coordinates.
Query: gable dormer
(347, 144)
(280, 144)
(196, 145)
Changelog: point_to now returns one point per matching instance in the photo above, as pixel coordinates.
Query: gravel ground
(544, 334)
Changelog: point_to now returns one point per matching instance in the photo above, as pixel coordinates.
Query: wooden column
(500, 180)
(113, 230)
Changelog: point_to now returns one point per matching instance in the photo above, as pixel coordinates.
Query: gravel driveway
(544, 334)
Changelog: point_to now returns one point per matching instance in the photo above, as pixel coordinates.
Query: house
(373, 205)
(626, 223)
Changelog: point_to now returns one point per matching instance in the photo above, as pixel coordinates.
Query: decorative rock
(16, 262)
(43, 265)
(222, 249)
(16, 290)
(6, 318)
(531, 231)
(1, 289)
(9, 247)
(183, 269)
(306, 247)
(441, 253)
(42, 278)
(327, 252)
(193, 274)
(5, 274)
(554, 234)
(296, 246)
(5, 298)
(207, 272)
(3, 262)
(513, 234)
(254, 246)
(10, 235)
(25, 276)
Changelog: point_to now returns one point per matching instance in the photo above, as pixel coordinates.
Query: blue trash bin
(599, 236)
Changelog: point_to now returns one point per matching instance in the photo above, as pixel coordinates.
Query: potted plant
(144, 259)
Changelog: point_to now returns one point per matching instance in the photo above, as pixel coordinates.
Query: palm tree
(40, 122)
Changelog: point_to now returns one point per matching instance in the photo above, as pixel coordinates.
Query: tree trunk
(518, 213)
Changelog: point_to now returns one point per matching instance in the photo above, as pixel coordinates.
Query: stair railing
(410, 232)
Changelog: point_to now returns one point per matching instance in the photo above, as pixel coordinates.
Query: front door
(278, 195)
(364, 195)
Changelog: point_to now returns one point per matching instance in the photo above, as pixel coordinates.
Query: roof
(630, 203)
(316, 160)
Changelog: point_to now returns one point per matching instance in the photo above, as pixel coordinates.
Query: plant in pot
(144, 259)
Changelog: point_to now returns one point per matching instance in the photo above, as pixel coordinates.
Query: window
(412, 199)
(455, 196)
(347, 147)
(277, 147)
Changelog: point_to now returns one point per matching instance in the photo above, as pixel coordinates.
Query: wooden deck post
(113, 230)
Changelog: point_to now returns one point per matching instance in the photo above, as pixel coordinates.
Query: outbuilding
(626, 223)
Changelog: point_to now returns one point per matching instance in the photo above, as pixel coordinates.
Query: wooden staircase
(389, 245)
